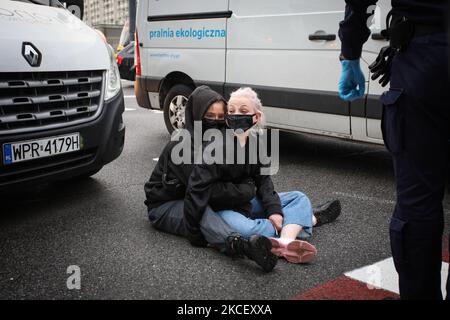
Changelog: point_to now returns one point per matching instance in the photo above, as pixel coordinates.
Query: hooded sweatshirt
(168, 181)
(203, 176)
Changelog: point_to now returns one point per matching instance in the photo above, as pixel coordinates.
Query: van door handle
(326, 37)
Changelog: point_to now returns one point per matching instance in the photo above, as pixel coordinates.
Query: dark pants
(416, 130)
(169, 217)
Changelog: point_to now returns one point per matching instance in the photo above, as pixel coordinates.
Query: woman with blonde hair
(284, 218)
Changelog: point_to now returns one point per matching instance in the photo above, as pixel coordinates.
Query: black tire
(174, 115)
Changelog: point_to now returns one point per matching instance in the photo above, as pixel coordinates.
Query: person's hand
(382, 65)
(277, 221)
(352, 84)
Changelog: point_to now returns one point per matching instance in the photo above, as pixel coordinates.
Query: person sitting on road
(280, 217)
(167, 186)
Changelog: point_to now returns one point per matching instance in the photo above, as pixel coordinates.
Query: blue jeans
(297, 209)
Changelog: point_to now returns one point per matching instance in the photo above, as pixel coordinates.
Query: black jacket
(170, 184)
(203, 176)
(354, 31)
(168, 180)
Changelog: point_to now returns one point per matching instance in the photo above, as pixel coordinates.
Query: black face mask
(243, 122)
(212, 124)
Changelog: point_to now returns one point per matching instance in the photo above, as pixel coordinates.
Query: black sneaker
(327, 212)
(258, 249)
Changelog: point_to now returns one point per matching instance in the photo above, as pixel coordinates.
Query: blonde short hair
(250, 94)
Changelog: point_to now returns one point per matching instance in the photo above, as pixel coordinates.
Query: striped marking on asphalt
(373, 282)
(382, 275)
(152, 111)
(344, 288)
(363, 198)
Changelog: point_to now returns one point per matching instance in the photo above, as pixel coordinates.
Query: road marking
(372, 282)
(344, 288)
(363, 198)
(382, 275)
(372, 199)
(151, 111)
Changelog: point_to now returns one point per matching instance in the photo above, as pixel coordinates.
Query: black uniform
(354, 32)
(416, 130)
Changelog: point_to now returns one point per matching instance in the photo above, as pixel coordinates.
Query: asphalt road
(100, 225)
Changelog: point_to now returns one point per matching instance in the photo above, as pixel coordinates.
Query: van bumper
(141, 93)
(103, 141)
(143, 86)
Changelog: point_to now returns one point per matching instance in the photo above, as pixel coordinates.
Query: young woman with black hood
(284, 218)
(166, 189)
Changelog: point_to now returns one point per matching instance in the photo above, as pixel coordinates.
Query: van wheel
(175, 106)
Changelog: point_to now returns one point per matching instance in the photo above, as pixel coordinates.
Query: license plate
(42, 148)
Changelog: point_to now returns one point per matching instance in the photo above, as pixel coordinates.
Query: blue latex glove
(352, 84)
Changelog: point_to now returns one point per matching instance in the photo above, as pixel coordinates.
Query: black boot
(258, 249)
(327, 212)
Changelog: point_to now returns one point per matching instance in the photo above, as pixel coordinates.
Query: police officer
(415, 126)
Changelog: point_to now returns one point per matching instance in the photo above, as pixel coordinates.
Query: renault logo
(31, 54)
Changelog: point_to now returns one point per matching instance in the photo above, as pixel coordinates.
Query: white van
(61, 100)
(286, 50)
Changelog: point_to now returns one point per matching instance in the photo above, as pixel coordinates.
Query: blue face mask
(240, 121)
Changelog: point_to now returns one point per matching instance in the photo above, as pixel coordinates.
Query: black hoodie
(168, 180)
(204, 177)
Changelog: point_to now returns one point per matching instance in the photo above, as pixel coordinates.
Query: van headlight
(113, 84)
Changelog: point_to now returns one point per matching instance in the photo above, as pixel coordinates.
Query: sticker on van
(188, 33)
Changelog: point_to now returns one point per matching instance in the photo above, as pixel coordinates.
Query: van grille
(47, 100)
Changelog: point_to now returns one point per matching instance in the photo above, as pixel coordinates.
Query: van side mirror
(75, 6)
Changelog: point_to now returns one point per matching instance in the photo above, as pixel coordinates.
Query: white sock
(285, 241)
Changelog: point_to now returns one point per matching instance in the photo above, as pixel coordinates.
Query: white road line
(383, 275)
(151, 111)
(363, 198)
(372, 199)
